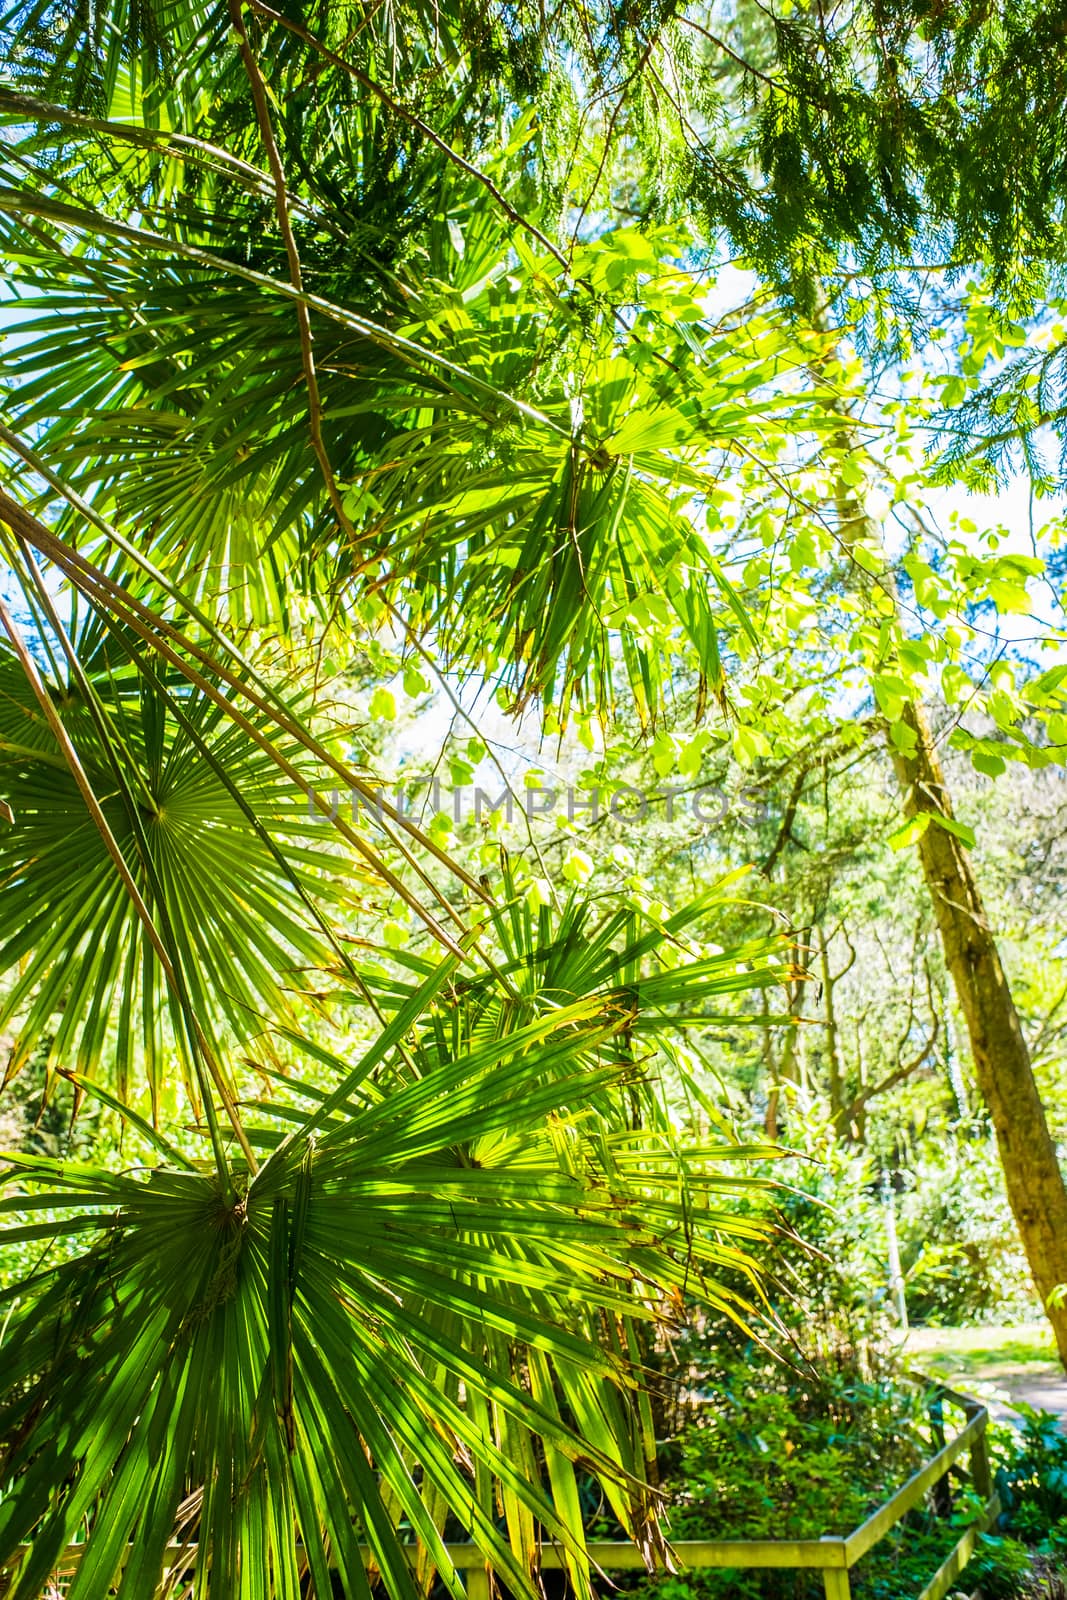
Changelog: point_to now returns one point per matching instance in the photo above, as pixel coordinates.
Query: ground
(1019, 1362)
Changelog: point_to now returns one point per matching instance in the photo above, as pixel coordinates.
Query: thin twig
(746, 66)
(418, 646)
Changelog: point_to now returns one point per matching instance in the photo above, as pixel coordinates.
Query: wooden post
(837, 1583)
(477, 1583)
(980, 1475)
(941, 1493)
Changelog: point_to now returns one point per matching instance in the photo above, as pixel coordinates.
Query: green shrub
(1000, 1567)
(823, 1270)
(959, 1244)
(799, 1459)
(777, 1453)
(1031, 1479)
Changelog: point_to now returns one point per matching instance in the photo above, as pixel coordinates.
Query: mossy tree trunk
(1033, 1177)
(1032, 1173)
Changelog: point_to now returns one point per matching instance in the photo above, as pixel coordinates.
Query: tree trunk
(1033, 1177)
(791, 1068)
(833, 1044)
(1032, 1173)
(858, 1113)
(770, 1072)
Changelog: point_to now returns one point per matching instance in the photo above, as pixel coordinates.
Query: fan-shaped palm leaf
(216, 840)
(394, 1314)
(485, 443)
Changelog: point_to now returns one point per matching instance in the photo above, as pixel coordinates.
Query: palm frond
(215, 838)
(400, 1311)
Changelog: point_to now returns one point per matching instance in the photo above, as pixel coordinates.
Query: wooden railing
(834, 1556)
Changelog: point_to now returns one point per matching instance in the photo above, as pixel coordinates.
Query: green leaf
(383, 705)
(903, 737)
(911, 831)
(958, 830)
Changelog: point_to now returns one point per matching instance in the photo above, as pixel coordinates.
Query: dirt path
(1017, 1362)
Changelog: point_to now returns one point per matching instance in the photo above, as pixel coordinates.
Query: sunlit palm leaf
(293, 1354)
(216, 839)
(550, 517)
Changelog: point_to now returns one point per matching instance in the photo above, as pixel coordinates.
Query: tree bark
(833, 1048)
(858, 1113)
(792, 1067)
(770, 1072)
(1032, 1173)
(1033, 1177)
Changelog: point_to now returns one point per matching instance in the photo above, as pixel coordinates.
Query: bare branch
(785, 832)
